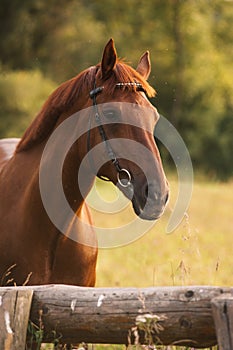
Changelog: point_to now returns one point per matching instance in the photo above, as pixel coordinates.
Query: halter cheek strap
(123, 175)
(95, 92)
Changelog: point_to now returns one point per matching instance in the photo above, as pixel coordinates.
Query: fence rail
(198, 316)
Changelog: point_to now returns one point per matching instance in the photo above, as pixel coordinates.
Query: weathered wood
(109, 315)
(222, 307)
(106, 315)
(15, 305)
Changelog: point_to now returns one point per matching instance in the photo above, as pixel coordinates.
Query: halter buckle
(95, 91)
(125, 182)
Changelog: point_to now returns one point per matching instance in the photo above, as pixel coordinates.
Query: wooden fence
(197, 316)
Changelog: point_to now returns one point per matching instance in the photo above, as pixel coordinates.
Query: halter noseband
(126, 181)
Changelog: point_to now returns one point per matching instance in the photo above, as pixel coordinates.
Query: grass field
(198, 252)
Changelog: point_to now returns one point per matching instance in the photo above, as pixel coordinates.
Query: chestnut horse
(32, 248)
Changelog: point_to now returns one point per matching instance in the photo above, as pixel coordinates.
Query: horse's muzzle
(150, 201)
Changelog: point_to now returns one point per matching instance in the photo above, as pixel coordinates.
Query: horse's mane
(65, 96)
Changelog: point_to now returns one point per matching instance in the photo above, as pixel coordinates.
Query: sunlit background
(45, 42)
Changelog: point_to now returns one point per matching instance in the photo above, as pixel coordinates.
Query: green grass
(198, 252)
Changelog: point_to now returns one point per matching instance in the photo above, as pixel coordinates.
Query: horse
(33, 250)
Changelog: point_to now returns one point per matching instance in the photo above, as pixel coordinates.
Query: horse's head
(123, 125)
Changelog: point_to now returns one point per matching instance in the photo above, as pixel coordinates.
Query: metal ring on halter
(120, 180)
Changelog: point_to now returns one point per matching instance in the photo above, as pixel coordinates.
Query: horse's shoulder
(7, 149)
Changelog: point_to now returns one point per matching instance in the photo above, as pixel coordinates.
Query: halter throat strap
(123, 175)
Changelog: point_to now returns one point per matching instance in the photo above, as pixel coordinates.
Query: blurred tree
(48, 36)
(22, 94)
(74, 45)
(16, 29)
(191, 52)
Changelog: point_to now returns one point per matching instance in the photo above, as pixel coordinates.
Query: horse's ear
(144, 65)
(108, 60)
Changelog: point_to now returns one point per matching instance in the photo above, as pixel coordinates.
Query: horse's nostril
(166, 198)
(151, 191)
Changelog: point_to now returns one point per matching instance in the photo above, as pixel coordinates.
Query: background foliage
(43, 43)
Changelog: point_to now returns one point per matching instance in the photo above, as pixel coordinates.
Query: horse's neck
(25, 167)
(68, 209)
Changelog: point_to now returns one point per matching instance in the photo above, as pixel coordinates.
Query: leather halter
(123, 175)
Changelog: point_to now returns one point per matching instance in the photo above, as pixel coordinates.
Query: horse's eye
(112, 115)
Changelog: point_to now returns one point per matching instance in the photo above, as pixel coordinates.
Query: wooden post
(189, 316)
(109, 315)
(15, 307)
(222, 307)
